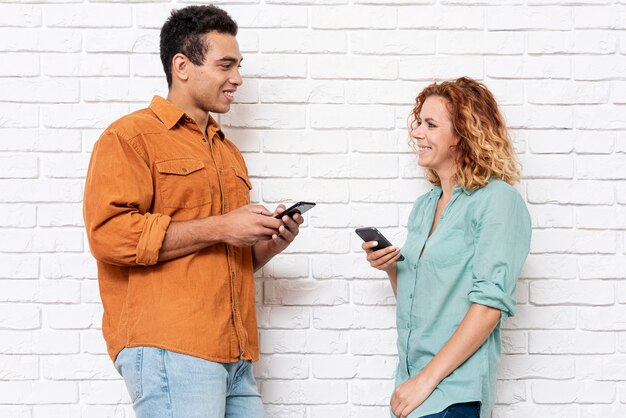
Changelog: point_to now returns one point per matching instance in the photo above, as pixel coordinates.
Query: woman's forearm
(478, 324)
(393, 279)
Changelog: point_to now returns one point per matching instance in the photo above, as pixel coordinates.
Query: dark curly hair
(183, 33)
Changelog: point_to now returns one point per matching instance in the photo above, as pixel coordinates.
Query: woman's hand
(384, 259)
(411, 394)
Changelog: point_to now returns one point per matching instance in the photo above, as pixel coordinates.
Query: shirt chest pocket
(183, 182)
(242, 187)
(449, 247)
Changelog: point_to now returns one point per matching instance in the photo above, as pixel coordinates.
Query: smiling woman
(467, 241)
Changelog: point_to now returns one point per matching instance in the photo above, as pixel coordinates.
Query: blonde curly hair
(484, 149)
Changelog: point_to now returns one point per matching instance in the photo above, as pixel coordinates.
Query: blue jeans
(458, 410)
(164, 384)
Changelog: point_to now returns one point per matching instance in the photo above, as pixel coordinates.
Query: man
(169, 222)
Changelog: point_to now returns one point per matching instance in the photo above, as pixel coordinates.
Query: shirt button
(184, 170)
(408, 326)
(410, 295)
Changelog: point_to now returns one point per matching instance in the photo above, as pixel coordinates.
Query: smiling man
(169, 221)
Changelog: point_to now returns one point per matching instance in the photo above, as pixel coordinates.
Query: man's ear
(180, 67)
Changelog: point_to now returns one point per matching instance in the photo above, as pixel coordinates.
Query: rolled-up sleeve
(118, 195)
(503, 231)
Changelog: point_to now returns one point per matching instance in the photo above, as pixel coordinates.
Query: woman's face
(434, 137)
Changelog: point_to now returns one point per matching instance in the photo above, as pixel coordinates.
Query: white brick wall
(322, 116)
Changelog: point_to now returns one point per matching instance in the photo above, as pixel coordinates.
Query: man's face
(212, 85)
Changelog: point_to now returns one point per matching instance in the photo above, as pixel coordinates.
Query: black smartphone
(299, 207)
(372, 234)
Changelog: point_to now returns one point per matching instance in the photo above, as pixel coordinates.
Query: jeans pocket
(129, 364)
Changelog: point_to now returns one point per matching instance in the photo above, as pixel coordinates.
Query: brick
(307, 392)
(303, 341)
(39, 392)
(305, 142)
(602, 267)
(542, 317)
(18, 115)
(104, 392)
(514, 342)
(379, 142)
(320, 191)
(373, 292)
(75, 317)
(536, 117)
(577, 42)
(553, 67)
(17, 215)
(564, 92)
(596, 68)
(571, 342)
(338, 216)
(547, 166)
(38, 342)
(555, 292)
(303, 41)
(91, 65)
(551, 216)
(353, 17)
(277, 166)
(334, 367)
(19, 316)
(602, 318)
(21, 15)
(283, 367)
(41, 40)
(599, 17)
(371, 392)
(274, 116)
(354, 166)
(261, 17)
(601, 117)
(287, 266)
(82, 116)
(484, 43)
(39, 140)
(562, 191)
(403, 42)
(78, 367)
(354, 317)
(92, 15)
(353, 67)
(536, 367)
(438, 18)
(510, 392)
(576, 242)
(529, 410)
(283, 317)
(305, 292)
(405, 191)
(25, 241)
(368, 342)
(441, 67)
(68, 266)
(602, 368)
(382, 92)
(516, 18)
(603, 217)
(298, 91)
(19, 368)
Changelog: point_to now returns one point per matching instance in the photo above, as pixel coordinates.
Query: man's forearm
(187, 237)
(261, 254)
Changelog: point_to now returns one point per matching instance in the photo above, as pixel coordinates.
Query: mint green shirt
(474, 256)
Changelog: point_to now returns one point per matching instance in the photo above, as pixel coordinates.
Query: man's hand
(247, 225)
(286, 233)
(411, 394)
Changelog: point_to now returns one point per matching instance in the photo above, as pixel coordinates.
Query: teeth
(229, 94)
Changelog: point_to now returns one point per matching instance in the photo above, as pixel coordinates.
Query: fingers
(279, 209)
(382, 256)
(261, 210)
(368, 245)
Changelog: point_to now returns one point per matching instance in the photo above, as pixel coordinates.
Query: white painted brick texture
(322, 116)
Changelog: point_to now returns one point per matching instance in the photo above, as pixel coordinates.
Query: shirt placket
(227, 193)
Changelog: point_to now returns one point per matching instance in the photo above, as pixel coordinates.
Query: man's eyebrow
(230, 59)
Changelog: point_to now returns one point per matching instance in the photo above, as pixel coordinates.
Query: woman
(467, 241)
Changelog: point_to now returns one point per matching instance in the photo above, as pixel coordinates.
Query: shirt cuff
(490, 294)
(151, 238)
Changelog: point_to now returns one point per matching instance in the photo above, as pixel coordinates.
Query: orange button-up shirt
(147, 169)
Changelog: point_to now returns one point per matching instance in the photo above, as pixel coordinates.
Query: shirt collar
(436, 190)
(170, 115)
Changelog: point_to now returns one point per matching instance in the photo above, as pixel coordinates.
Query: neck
(447, 184)
(183, 101)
